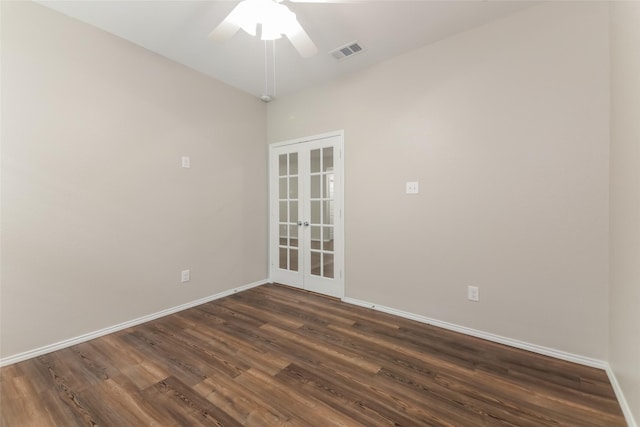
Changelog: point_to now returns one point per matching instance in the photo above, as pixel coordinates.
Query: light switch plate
(186, 162)
(412, 187)
(473, 293)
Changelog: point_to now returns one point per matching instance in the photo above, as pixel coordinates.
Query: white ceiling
(178, 30)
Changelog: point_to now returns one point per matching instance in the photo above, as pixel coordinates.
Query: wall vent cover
(348, 50)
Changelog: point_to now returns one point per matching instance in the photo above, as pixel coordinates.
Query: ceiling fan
(275, 20)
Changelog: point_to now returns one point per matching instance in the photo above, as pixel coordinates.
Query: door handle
(299, 223)
(306, 223)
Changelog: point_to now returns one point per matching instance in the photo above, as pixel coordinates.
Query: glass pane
(293, 188)
(327, 211)
(327, 270)
(327, 238)
(293, 211)
(315, 263)
(315, 212)
(282, 161)
(315, 161)
(325, 187)
(293, 260)
(315, 186)
(327, 158)
(283, 212)
(283, 188)
(315, 237)
(293, 164)
(283, 235)
(329, 180)
(293, 236)
(283, 258)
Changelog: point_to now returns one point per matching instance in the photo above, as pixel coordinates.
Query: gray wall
(624, 349)
(506, 128)
(98, 217)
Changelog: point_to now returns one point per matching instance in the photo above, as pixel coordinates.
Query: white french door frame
(302, 278)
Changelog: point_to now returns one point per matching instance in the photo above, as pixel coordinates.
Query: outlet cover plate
(412, 187)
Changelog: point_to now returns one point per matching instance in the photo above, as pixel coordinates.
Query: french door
(306, 213)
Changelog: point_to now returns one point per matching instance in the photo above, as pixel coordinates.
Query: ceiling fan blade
(224, 31)
(301, 40)
(231, 24)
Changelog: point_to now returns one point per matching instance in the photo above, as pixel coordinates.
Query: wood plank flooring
(278, 356)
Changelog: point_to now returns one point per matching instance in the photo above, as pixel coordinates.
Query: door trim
(339, 133)
(340, 249)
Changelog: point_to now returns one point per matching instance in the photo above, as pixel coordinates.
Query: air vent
(348, 50)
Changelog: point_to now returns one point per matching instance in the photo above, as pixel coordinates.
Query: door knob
(306, 223)
(299, 222)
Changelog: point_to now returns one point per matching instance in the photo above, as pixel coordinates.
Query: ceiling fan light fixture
(270, 31)
(275, 19)
(278, 21)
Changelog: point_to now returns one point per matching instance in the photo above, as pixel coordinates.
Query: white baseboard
(624, 405)
(558, 354)
(91, 335)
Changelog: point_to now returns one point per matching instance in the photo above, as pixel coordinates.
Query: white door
(306, 213)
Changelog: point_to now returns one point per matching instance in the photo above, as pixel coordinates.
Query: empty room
(320, 213)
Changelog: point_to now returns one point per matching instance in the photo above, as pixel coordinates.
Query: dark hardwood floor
(277, 356)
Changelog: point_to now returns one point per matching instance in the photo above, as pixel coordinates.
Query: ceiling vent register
(347, 51)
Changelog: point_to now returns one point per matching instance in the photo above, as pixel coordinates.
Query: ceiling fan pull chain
(274, 68)
(266, 70)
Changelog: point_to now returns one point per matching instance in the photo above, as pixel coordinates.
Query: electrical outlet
(185, 276)
(412, 187)
(473, 293)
